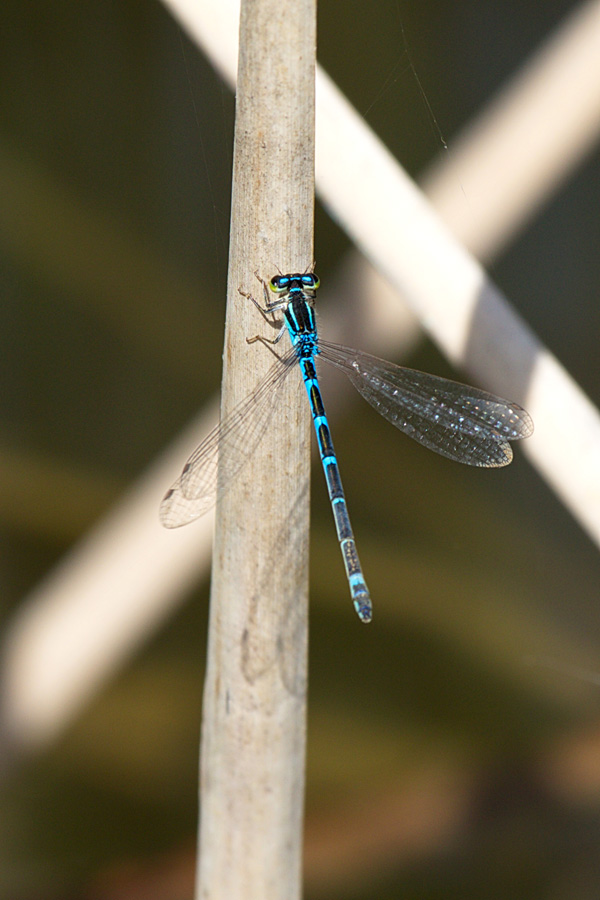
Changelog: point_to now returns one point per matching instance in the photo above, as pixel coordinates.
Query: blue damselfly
(460, 422)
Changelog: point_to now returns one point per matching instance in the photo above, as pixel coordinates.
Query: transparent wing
(229, 446)
(455, 420)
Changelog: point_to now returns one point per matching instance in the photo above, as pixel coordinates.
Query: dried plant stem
(253, 742)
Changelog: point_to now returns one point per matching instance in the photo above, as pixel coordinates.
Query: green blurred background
(445, 758)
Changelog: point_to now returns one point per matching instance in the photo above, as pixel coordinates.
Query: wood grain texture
(253, 742)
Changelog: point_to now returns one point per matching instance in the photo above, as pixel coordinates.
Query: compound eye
(279, 283)
(311, 280)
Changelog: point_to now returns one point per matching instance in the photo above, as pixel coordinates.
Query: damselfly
(460, 422)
